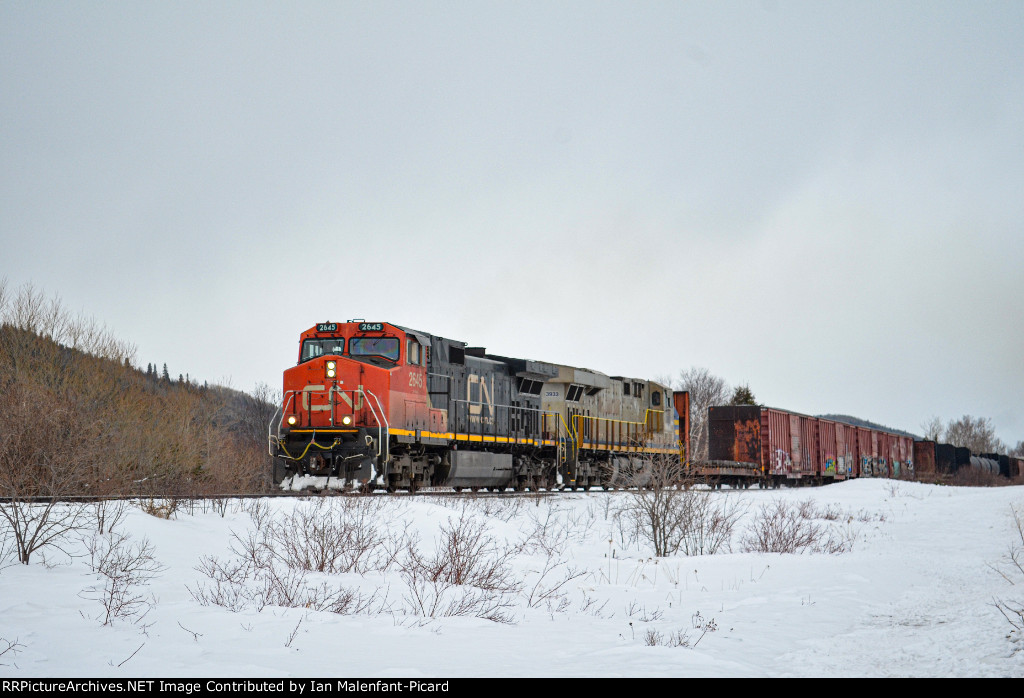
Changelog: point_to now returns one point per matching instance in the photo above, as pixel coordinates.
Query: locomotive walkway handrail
(515, 408)
(386, 440)
(584, 419)
(564, 433)
(383, 428)
(271, 437)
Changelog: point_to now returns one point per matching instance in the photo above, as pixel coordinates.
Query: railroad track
(312, 492)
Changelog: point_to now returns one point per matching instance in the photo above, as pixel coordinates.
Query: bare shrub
(1012, 568)
(468, 574)
(333, 535)
(106, 513)
(9, 649)
(161, 508)
(547, 532)
(711, 520)
(294, 633)
(643, 614)
(230, 584)
(277, 563)
(674, 517)
(123, 568)
(292, 588)
(779, 528)
(975, 477)
(6, 550)
(546, 586)
(46, 450)
(832, 512)
(220, 505)
(655, 510)
(503, 508)
(32, 526)
(677, 638)
(681, 637)
(703, 626)
(258, 510)
(652, 637)
(253, 580)
(783, 528)
(438, 598)
(466, 555)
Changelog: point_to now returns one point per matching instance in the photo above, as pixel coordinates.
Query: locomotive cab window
(388, 347)
(312, 348)
(412, 352)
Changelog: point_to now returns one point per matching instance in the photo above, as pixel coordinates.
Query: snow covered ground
(914, 597)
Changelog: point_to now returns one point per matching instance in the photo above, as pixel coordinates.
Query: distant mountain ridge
(847, 419)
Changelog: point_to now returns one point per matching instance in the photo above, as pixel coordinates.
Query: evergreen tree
(166, 376)
(742, 395)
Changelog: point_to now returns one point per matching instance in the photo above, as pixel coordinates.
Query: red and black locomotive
(378, 405)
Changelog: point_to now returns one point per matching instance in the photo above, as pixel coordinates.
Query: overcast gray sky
(822, 199)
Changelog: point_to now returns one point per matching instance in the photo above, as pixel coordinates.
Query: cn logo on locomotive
(478, 395)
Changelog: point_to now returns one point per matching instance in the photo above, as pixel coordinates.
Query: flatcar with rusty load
(379, 405)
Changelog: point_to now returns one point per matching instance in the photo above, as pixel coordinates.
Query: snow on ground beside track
(914, 597)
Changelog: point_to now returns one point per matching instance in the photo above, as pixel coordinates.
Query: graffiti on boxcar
(783, 462)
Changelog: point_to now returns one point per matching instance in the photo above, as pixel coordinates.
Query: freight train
(772, 446)
(377, 405)
(769, 446)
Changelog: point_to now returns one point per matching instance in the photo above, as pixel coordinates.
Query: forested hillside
(81, 418)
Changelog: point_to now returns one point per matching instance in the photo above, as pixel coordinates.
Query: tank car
(380, 405)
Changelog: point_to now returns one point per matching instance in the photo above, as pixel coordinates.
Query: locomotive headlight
(292, 420)
(332, 369)
(346, 420)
